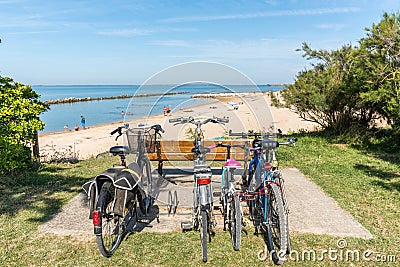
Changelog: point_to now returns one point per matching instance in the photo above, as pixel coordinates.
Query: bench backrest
(182, 150)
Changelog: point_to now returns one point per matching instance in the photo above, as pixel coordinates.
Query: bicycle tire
(170, 203)
(236, 223)
(204, 234)
(277, 226)
(225, 209)
(146, 202)
(224, 202)
(112, 226)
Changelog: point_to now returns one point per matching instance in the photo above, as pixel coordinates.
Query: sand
(254, 112)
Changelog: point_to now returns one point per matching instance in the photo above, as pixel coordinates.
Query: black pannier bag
(93, 186)
(126, 186)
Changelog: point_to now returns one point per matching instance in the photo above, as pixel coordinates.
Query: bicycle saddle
(119, 150)
(232, 163)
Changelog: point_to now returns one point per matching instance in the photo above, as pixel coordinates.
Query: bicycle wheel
(224, 201)
(112, 226)
(146, 202)
(277, 226)
(235, 225)
(204, 234)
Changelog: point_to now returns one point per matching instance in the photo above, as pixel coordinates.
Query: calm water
(107, 111)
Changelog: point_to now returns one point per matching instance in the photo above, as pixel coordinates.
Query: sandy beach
(254, 111)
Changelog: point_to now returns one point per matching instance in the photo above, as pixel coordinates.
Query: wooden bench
(182, 151)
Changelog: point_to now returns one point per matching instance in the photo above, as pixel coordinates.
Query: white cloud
(335, 27)
(271, 2)
(125, 32)
(31, 32)
(170, 43)
(245, 50)
(296, 12)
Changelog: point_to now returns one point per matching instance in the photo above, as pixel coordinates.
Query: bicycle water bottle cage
(119, 150)
(200, 150)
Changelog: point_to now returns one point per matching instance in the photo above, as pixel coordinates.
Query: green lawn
(365, 184)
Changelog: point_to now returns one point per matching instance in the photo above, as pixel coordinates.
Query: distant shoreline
(84, 99)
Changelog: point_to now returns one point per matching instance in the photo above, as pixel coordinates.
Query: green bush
(19, 120)
(350, 89)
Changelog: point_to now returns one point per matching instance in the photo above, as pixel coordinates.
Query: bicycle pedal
(143, 220)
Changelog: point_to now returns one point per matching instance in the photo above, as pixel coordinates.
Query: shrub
(19, 120)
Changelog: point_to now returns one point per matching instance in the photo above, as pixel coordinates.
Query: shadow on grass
(388, 186)
(41, 193)
(371, 170)
(386, 177)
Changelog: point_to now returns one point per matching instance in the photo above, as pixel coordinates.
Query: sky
(68, 42)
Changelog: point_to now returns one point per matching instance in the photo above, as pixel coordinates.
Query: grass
(363, 182)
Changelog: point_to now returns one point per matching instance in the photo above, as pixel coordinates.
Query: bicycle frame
(203, 190)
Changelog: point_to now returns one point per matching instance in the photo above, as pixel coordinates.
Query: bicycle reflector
(267, 166)
(203, 180)
(96, 218)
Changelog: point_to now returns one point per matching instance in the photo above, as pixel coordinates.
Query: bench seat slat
(182, 150)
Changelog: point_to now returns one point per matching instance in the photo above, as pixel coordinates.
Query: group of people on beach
(76, 128)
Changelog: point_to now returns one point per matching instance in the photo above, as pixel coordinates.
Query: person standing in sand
(83, 122)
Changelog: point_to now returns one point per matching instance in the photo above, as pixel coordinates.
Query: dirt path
(311, 211)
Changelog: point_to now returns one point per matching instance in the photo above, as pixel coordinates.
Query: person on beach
(165, 111)
(66, 128)
(168, 110)
(83, 122)
(76, 127)
(122, 113)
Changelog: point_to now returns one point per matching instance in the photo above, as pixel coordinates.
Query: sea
(147, 100)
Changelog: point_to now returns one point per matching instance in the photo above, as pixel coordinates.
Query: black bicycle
(115, 194)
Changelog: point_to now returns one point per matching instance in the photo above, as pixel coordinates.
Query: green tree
(329, 93)
(19, 120)
(351, 87)
(381, 59)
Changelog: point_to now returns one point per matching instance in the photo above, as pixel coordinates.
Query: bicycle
(230, 200)
(266, 195)
(203, 190)
(114, 194)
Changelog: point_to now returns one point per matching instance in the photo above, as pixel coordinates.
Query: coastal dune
(254, 112)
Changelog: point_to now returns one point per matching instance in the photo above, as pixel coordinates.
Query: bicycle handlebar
(244, 135)
(156, 127)
(116, 130)
(290, 141)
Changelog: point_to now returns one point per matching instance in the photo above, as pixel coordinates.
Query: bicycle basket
(140, 137)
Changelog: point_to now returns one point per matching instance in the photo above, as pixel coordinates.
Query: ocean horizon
(98, 112)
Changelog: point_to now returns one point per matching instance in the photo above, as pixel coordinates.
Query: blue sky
(126, 42)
